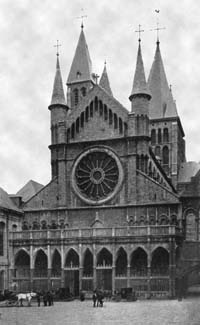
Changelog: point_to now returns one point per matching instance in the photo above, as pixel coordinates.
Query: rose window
(96, 175)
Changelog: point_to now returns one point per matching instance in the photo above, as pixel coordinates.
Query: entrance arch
(121, 263)
(22, 264)
(104, 270)
(72, 272)
(160, 262)
(138, 262)
(41, 265)
(56, 264)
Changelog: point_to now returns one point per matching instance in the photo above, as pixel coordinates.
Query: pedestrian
(45, 299)
(94, 298)
(38, 299)
(49, 298)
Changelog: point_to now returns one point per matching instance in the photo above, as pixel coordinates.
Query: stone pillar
(128, 269)
(149, 275)
(31, 267)
(48, 263)
(94, 267)
(80, 265)
(62, 280)
(172, 268)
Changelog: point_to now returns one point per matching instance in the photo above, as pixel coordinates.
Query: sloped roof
(104, 81)
(29, 190)
(139, 82)
(81, 68)
(58, 96)
(162, 103)
(6, 202)
(187, 171)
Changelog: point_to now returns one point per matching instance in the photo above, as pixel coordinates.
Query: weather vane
(82, 17)
(139, 31)
(57, 46)
(157, 23)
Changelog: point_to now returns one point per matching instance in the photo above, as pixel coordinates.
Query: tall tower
(80, 79)
(138, 126)
(167, 135)
(58, 108)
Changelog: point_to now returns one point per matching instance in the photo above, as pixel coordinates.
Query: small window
(83, 91)
(153, 137)
(75, 97)
(165, 135)
(159, 136)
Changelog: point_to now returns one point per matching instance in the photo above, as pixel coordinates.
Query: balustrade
(159, 230)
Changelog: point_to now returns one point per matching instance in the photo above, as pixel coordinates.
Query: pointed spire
(58, 96)
(162, 103)
(139, 82)
(81, 68)
(104, 81)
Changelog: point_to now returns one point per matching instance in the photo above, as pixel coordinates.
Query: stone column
(48, 263)
(149, 274)
(31, 266)
(94, 267)
(80, 265)
(172, 268)
(62, 280)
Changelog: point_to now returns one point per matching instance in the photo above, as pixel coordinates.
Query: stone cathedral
(122, 207)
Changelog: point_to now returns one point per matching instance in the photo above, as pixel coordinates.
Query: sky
(28, 32)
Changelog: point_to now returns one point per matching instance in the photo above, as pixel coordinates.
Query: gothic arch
(160, 261)
(88, 263)
(22, 263)
(40, 264)
(138, 262)
(121, 262)
(72, 258)
(104, 257)
(56, 264)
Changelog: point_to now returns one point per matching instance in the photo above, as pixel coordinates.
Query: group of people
(47, 298)
(97, 298)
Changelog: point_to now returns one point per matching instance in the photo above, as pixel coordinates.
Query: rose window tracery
(97, 175)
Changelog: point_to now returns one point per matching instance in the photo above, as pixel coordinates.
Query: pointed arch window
(2, 227)
(110, 117)
(76, 96)
(165, 135)
(153, 136)
(83, 91)
(165, 156)
(159, 136)
(115, 121)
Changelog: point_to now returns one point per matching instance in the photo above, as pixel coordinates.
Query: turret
(140, 97)
(58, 108)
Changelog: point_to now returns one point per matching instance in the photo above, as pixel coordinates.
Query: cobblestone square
(155, 312)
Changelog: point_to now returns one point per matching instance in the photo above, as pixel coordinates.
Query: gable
(97, 117)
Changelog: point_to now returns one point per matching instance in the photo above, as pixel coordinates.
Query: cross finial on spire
(57, 46)
(157, 27)
(82, 17)
(139, 31)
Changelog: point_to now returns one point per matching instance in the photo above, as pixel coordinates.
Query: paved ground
(156, 312)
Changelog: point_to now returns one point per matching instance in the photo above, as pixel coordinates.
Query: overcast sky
(28, 31)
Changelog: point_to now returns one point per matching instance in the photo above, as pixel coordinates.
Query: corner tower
(140, 97)
(81, 78)
(58, 108)
(167, 135)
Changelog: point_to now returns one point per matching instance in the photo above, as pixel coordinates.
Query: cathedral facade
(122, 207)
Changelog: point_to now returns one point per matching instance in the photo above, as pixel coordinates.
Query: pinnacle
(58, 96)
(139, 82)
(104, 81)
